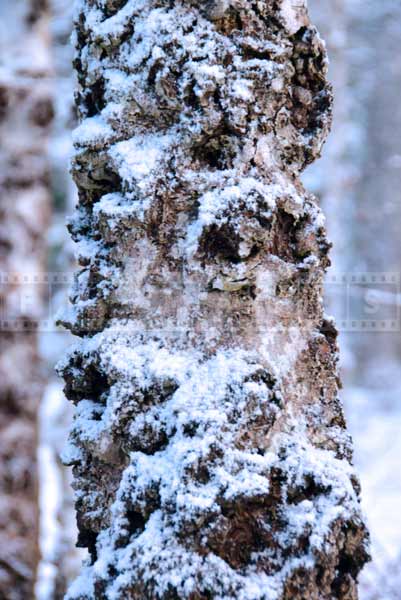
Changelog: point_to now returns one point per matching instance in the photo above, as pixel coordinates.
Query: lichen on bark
(210, 452)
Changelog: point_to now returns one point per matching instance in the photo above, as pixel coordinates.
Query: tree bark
(210, 452)
(25, 115)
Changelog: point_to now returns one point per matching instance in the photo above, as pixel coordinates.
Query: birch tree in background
(366, 73)
(60, 560)
(377, 223)
(25, 114)
(377, 235)
(363, 158)
(210, 453)
(333, 177)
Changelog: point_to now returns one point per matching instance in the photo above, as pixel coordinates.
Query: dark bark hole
(284, 240)
(213, 157)
(99, 383)
(152, 74)
(190, 429)
(191, 98)
(204, 595)
(321, 106)
(202, 474)
(171, 594)
(255, 250)
(159, 392)
(157, 442)
(87, 539)
(94, 99)
(328, 329)
(230, 22)
(221, 242)
(217, 153)
(217, 96)
(136, 522)
(244, 534)
(348, 566)
(113, 6)
(262, 376)
(112, 571)
(251, 53)
(310, 490)
(84, 382)
(264, 222)
(300, 35)
(106, 182)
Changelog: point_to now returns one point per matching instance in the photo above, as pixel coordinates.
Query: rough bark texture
(210, 453)
(25, 114)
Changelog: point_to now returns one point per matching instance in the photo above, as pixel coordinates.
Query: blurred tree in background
(26, 112)
(358, 181)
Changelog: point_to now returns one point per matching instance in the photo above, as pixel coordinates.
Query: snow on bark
(210, 453)
(25, 115)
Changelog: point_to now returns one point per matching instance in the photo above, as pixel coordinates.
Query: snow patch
(294, 14)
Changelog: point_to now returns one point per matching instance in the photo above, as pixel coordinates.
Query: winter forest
(200, 291)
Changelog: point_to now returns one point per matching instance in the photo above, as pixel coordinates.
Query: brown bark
(25, 114)
(210, 453)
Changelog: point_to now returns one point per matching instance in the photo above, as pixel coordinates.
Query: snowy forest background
(358, 182)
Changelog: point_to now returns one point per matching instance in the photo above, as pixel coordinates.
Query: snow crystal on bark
(209, 447)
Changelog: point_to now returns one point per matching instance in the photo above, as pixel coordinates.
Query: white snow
(209, 398)
(216, 206)
(138, 158)
(294, 14)
(91, 131)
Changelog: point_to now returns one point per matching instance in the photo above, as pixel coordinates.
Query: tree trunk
(25, 115)
(210, 453)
